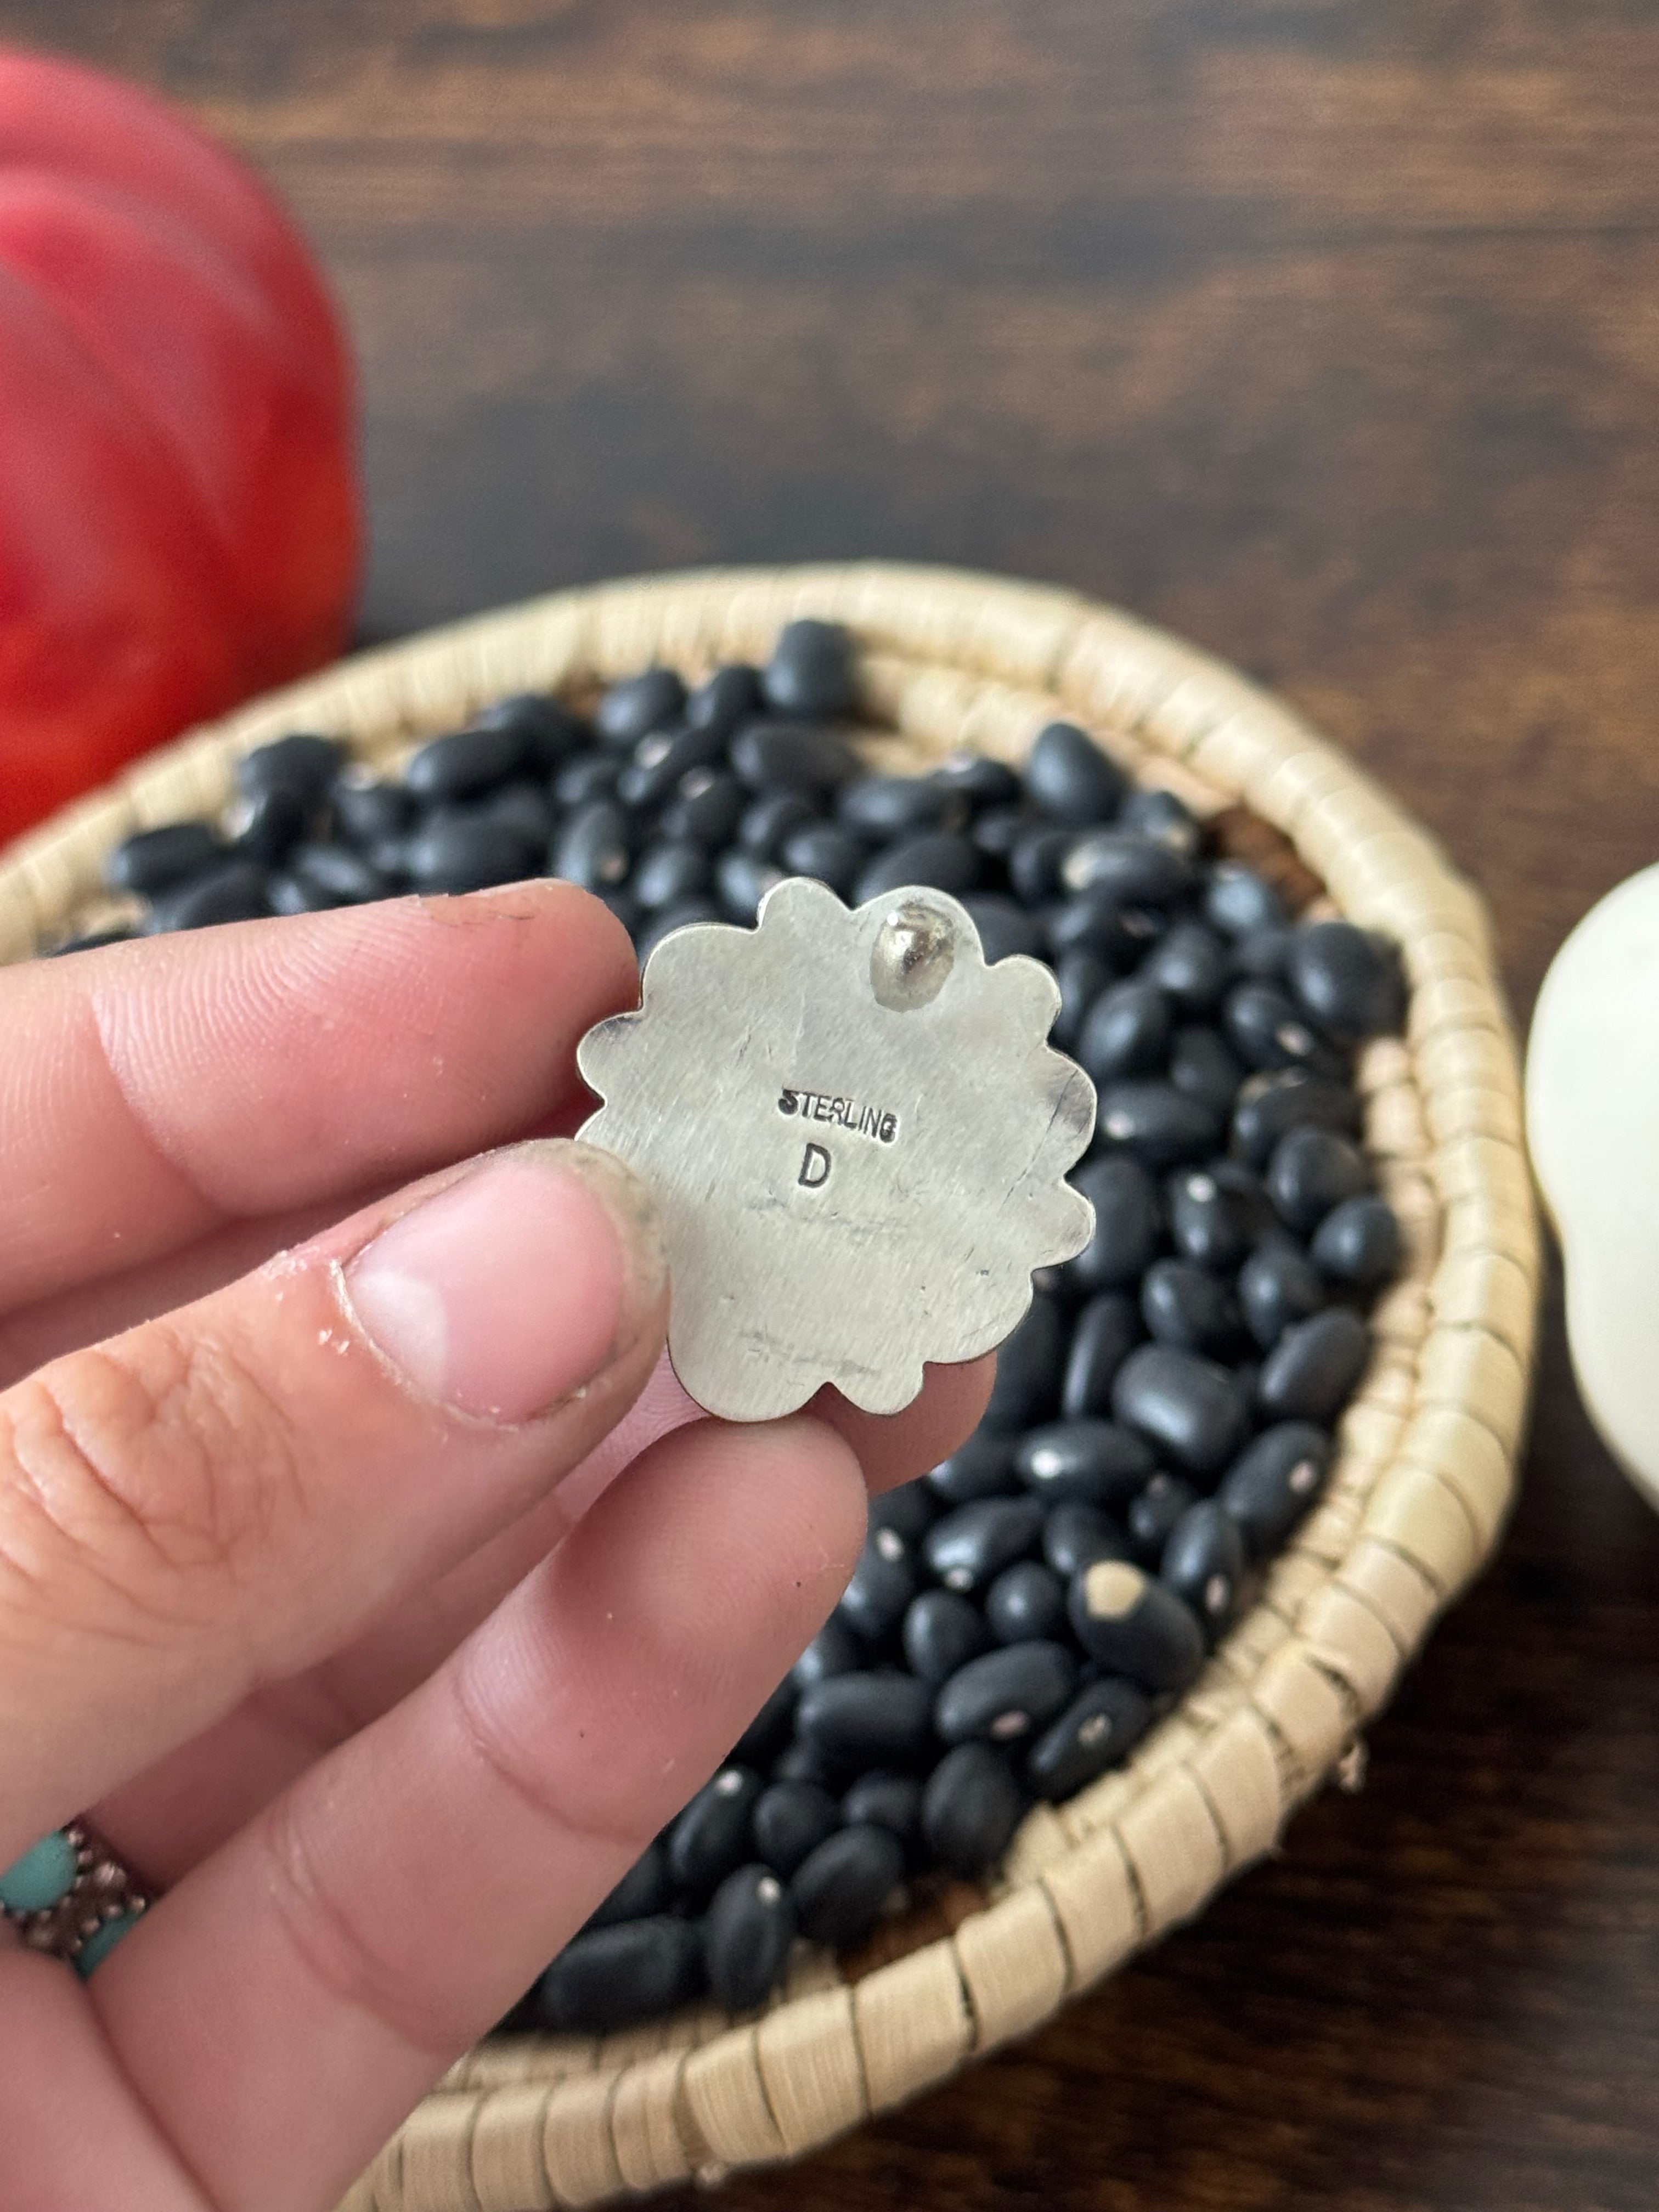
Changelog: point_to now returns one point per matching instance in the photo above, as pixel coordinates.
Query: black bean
(1359, 1242)
(660, 761)
(1238, 902)
(454, 851)
(881, 1586)
(615, 1976)
(682, 915)
(1075, 1536)
(834, 1650)
(881, 807)
(942, 858)
(364, 813)
(730, 695)
(1026, 1601)
(909, 1510)
(790, 1820)
(1094, 923)
(152, 860)
(1089, 1462)
(1082, 977)
(746, 1936)
(770, 819)
(524, 808)
(812, 762)
(1263, 955)
(1313, 1365)
(1005, 928)
(1133, 1626)
(1070, 777)
(1099, 1729)
(1268, 1105)
(1005, 1695)
(1154, 1123)
(589, 777)
(389, 855)
(1190, 965)
(645, 1888)
(942, 1630)
(240, 891)
(969, 1810)
(1126, 1032)
(866, 1719)
(669, 874)
(982, 1467)
(266, 826)
(767, 1734)
(1126, 1231)
(639, 704)
(979, 779)
(711, 1836)
(968, 1548)
(997, 832)
(1349, 980)
(1035, 860)
(1270, 1486)
(800, 1763)
(1187, 1407)
(547, 732)
(300, 762)
(1209, 1224)
(886, 1801)
(1105, 1333)
(1203, 1563)
(333, 875)
(707, 808)
(1162, 816)
(1029, 1363)
(812, 672)
(833, 855)
(1155, 1513)
(463, 763)
(1185, 1305)
(1276, 1285)
(1268, 1032)
(1136, 870)
(1310, 1171)
(839, 1892)
(593, 849)
(1201, 1067)
(743, 882)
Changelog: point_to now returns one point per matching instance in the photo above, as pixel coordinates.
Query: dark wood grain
(1326, 332)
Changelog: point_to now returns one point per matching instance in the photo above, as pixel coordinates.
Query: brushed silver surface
(858, 1134)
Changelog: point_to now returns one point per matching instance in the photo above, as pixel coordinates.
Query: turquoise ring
(70, 1896)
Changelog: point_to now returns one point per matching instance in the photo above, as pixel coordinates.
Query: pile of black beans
(1161, 1420)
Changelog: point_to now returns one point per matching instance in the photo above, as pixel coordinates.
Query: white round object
(1592, 1092)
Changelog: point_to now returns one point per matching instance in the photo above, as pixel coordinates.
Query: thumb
(226, 1494)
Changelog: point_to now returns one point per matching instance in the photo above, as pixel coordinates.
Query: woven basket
(1426, 1465)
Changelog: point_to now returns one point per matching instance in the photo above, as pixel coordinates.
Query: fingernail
(511, 1288)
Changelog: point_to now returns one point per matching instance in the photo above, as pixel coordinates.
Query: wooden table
(1326, 332)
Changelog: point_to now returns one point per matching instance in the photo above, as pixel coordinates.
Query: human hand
(362, 1599)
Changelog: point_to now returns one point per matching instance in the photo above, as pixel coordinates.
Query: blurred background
(1324, 332)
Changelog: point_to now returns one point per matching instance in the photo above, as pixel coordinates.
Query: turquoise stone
(97, 1947)
(42, 1877)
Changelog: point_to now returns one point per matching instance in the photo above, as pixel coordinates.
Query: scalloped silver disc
(859, 1135)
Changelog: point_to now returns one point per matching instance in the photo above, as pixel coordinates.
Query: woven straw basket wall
(1427, 1450)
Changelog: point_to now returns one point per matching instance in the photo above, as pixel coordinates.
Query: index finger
(152, 1091)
